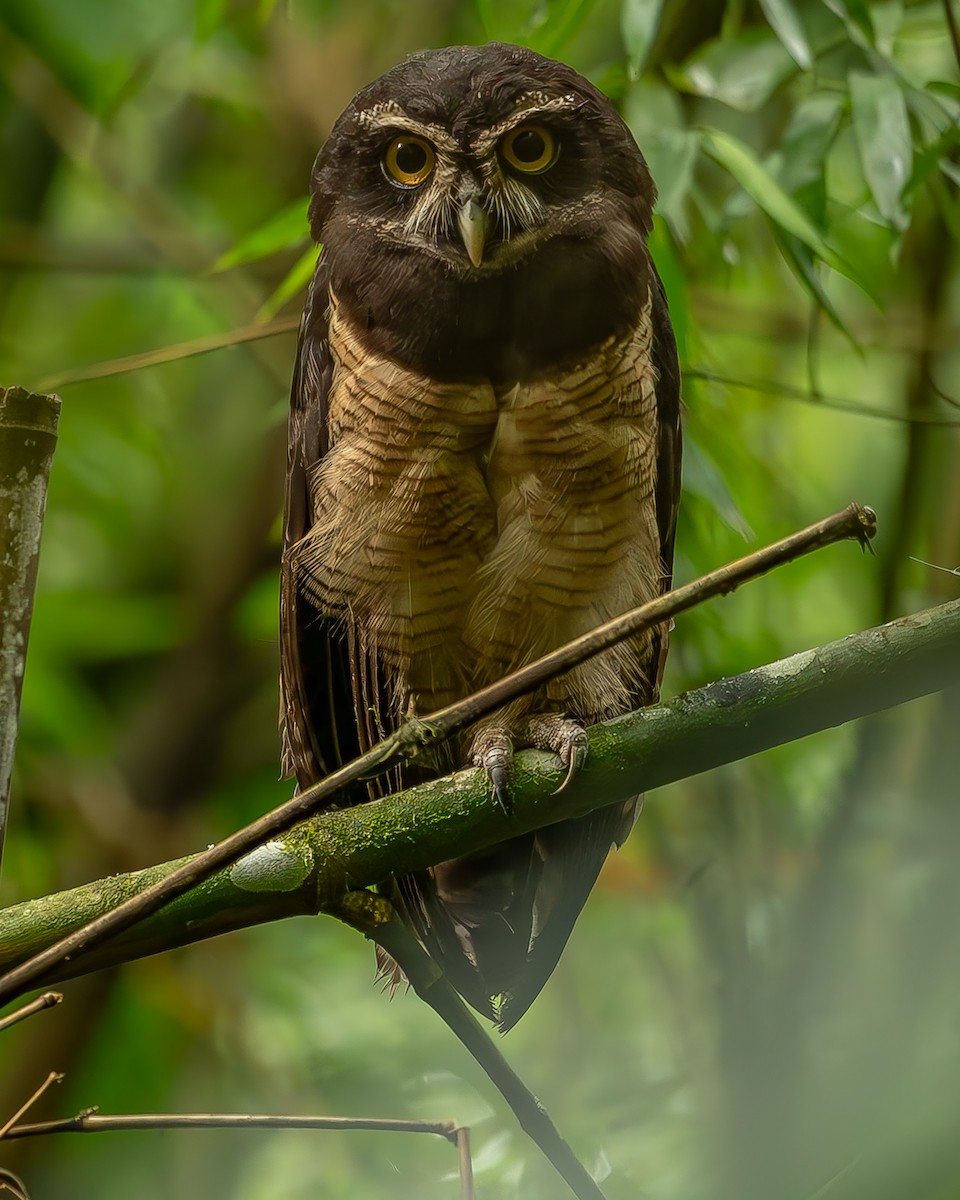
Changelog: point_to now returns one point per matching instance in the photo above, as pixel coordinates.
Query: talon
(574, 754)
(500, 779)
(493, 751)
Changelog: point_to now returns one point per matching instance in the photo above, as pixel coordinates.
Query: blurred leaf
(639, 20)
(798, 258)
(807, 139)
(740, 161)
(207, 18)
(799, 162)
(295, 280)
(671, 158)
(702, 476)
(562, 24)
(951, 170)
(933, 157)
(856, 16)
(285, 228)
(671, 272)
(742, 72)
(786, 24)
(882, 127)
(544, 25)
(887, 18)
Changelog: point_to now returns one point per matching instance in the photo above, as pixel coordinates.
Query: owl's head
(477, 157)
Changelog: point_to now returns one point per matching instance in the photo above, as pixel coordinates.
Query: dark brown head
(479, 178)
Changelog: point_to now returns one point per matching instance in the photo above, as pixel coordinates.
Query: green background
(760, 999)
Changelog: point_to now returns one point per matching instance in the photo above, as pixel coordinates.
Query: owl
(484, 459)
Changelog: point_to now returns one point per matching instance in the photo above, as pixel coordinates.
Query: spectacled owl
(484, 460)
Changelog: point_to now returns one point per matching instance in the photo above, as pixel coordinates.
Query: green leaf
(798, 258)
(856, 16)
(293, 282)
(703, 478)
(786, 24)
(671, 157)
(742, 72)
(639, 20)
(882, 129)
(555, 23)
(932, 157)
(285, 228)
(807, 139)
(208, 17)
(740, 161)
(674, 279)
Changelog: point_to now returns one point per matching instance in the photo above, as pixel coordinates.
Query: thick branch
(310, 869)
(854, 521)
(28, 434)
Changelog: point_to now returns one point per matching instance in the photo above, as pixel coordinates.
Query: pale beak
(473, 221)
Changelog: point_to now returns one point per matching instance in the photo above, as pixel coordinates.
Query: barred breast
(461, 530)
(403, 518)
(572, 469)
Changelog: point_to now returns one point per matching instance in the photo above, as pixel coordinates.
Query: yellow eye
(529, 148)
(409, 160)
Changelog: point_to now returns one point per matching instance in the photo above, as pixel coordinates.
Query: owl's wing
(497, 921)
(325, 677)
(315, 699)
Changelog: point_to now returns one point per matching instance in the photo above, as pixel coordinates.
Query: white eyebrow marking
(529, 106)
(389, 115)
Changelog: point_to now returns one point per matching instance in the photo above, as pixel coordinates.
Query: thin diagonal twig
(93, 1121)
(52, 1078)
(47, 1000)
(253, 332)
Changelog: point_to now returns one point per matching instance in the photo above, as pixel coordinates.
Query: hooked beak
(473, 221)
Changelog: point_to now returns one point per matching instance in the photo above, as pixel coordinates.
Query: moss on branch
(309, 869)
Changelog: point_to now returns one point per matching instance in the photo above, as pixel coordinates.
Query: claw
(493, 751)
(500, 779)
(564, 736)
(575, 755)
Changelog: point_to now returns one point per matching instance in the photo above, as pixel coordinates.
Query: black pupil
(528, 146)
(411, 157)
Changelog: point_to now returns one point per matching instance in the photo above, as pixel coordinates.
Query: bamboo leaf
(882, 129)
(856, 16)
(639, 20)
(295, 280)
(285, 228)
(740, 161)
(742, 72)
(785, 22)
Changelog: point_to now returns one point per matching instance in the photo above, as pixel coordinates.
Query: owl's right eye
(409, 160)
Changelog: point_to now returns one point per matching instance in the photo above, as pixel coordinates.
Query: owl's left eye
(409, 160)
(529, 148)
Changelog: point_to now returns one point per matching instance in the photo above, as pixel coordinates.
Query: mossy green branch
(308, 870)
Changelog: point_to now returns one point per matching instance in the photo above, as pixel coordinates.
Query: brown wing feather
(334, 696)
(317, 728)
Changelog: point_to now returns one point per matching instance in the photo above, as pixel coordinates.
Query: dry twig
(47, 1000)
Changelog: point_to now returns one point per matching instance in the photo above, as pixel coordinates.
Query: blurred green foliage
(760, 999)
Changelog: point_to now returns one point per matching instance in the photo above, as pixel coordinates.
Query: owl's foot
(492, 749)
(564, 736)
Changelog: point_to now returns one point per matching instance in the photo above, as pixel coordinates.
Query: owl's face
(483, 211)
(476, 156)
